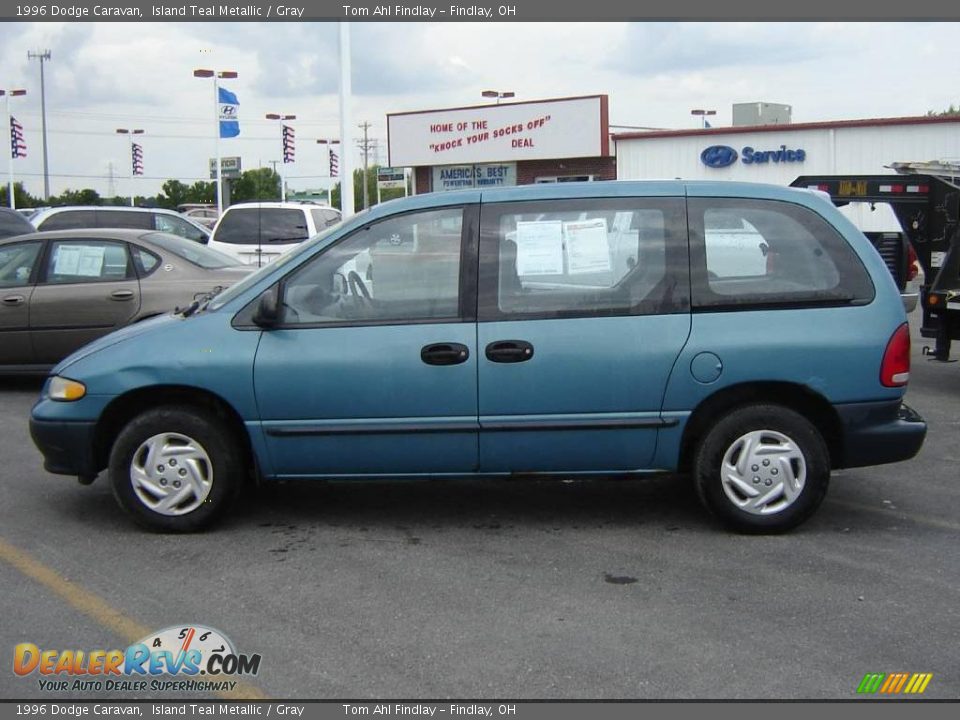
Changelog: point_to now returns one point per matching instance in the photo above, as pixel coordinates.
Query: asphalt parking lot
(506, 589)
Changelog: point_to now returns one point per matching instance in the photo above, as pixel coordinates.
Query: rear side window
(581, 258)
(82, 261)
(69, 219)
(764, 252)
(253, 226)
(124, 219)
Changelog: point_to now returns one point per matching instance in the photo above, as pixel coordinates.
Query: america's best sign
(544, 130)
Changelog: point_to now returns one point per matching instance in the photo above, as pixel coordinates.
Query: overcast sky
(108, 75)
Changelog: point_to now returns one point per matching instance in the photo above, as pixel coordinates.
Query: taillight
(913, 267)
(895, 368)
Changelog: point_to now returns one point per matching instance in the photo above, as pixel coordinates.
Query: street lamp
(702, 114)
(217, 75)
(283, 145)
(131, 133)
(43, 56)
(333, 168)
(497, 94)
(14, 150)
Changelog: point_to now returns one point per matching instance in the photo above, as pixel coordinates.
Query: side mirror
(267, 314)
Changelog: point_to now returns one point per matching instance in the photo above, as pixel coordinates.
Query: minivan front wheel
(172, 469)
(762, 468)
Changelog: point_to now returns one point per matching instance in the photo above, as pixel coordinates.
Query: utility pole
(43, 55)
(111, 186)
(365, 146)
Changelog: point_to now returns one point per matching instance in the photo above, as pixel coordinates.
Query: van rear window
(254, 226)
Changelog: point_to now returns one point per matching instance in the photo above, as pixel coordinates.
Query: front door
(18, 263)
(87, 289)
(584, 308)
(373, 369)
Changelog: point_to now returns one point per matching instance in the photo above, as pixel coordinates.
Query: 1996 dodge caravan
(747, 335)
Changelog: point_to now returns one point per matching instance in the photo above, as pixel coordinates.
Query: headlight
(66, 390)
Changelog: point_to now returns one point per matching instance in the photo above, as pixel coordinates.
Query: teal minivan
(745, 335)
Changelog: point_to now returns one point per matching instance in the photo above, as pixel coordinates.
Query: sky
(104, 76)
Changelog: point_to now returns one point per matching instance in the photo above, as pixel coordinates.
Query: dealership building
(779, 153)
(558, 140)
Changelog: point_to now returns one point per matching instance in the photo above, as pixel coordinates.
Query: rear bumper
(67, 447)
(879, 433)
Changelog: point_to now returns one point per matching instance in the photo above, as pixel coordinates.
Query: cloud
(657, 48)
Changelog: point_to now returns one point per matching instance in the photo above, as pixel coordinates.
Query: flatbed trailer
(928, 210)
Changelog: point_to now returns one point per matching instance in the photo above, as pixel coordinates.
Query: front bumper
(67, 447)
(879, 433)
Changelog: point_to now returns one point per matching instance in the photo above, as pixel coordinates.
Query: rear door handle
(13, 300)
(444, 354)
(121, 294)
(509, 351)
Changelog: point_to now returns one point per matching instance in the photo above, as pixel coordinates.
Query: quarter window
(584, 258)
(769, 252)
(402, 269)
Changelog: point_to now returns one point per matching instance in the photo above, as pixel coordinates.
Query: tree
(253, 185)
(943, 113)
(358, 190)
(87, 196)
(203, 192)
(174, 192)
(22, 197)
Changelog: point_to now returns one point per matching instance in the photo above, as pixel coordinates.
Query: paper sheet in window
(588, 247)
(67, 260)
(90, 262)
(540, 248)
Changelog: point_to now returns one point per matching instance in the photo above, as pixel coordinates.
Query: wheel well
(124, 408)
(813, 406)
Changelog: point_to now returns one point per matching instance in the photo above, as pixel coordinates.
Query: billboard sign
(229, 167)
(541, 130)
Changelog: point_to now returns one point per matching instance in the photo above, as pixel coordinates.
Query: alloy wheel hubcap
(763, 472)
(171, 474)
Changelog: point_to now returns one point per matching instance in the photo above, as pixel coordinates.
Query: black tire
(218, 467)
(768, 425)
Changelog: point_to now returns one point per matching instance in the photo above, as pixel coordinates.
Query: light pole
(702, 114)
(332, 170)
(497, 94)
(130, 133)
(217, 75)
(278, 116)
(13, 150)
(42, 56)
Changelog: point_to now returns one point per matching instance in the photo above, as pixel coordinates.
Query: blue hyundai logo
(718, 156)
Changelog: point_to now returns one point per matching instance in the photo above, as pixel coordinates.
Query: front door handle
(444, 354)
(121, 295)
(14, 300)
(509, 351)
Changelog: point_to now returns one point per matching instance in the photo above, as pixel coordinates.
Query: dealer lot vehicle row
(747, 334)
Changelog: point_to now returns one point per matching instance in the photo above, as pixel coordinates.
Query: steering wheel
(357, 287)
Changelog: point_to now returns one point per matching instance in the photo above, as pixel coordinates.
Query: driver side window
(401, 269)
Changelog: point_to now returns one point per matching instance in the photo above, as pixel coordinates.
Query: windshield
(255, 226)
(286, 258)
(192, 252)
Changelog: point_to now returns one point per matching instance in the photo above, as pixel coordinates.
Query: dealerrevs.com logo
(181, 658)
(894, 683)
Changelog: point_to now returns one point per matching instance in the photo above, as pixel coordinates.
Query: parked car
(206, 216)
(95, 216)
(13, 223)
(257, 233)
(595, 329)
(60, 290)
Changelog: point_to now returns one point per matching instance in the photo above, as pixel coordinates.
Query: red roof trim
(740, 129)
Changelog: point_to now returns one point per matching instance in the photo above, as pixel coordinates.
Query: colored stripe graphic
(894, 683)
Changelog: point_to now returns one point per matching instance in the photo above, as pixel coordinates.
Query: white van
(257, 233)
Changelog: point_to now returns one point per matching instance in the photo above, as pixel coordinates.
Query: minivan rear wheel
(172, 469)
(762, 469)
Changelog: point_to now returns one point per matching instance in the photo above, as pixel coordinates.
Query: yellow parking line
(97, 609)
(894, 514)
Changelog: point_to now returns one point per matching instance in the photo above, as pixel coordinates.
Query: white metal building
(780, 153)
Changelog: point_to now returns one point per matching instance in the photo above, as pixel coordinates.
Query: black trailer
(927, 207)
